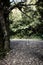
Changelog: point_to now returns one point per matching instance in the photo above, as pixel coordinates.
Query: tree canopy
(27, 19)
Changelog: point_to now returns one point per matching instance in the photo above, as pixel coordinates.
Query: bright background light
(16, 0)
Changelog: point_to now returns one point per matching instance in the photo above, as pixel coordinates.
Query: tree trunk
(4, 32)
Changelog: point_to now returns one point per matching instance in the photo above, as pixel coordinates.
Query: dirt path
(24, 53)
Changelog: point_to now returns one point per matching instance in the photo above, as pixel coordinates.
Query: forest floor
(24, 52)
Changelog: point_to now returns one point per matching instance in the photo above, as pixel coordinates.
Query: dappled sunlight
(25, 23)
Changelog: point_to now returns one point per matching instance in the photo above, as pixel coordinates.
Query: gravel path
(24, 53)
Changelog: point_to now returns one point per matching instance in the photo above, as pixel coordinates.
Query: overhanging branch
(25, 14)
(20, 4)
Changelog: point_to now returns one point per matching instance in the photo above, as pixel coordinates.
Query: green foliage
(27, 27)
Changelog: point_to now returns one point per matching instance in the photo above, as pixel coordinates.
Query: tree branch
(12, 7)
(25, 14)
(20, 5)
